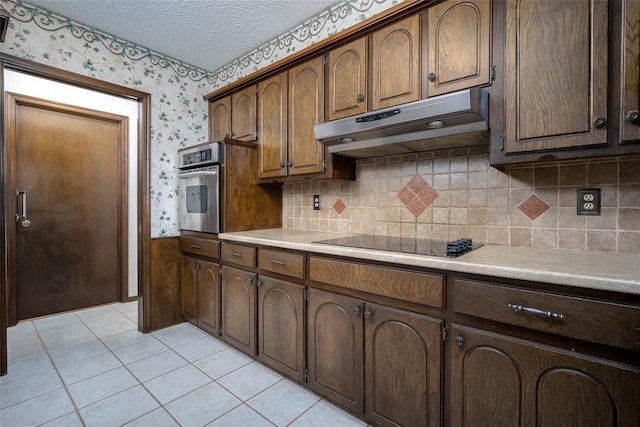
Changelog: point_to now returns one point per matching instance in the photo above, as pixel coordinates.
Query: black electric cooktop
(405, 245)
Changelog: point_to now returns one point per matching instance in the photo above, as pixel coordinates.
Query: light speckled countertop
(596, 270)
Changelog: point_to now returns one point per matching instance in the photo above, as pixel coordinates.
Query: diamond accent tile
(417, 195)
(533, 207)
(339, 206)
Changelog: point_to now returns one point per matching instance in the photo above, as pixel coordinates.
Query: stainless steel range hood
(453, 120)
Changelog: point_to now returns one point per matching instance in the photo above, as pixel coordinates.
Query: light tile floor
(92, 367)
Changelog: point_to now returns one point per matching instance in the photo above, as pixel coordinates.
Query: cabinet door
(348, 79)
(631, 71)
(220, 119)
(396, 64)
(188, 288)
(281, 326)
(502, 381)
(239, 309)
(404, 367)
(306, 109)
(243, 114)
(458, 46)
(272, 126)
(209, 297)
(555, 75)
(335, 348)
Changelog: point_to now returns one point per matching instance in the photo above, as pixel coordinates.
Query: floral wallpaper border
(49, 21)
(327, 23)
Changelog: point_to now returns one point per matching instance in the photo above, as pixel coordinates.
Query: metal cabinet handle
(23, 214)
(258, 283)
(289, 163)
(460, 340)
(360, 97)
(281, 165)
(236, 254)
(194, 246)
(599, 122)
(368, 314)
(537, 312)
(431, 76)
(278, 262)
(357, 310)
(632, 116)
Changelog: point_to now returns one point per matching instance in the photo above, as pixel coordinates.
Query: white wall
(46, 89)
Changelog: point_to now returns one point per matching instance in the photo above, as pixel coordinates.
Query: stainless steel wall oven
(199, 187)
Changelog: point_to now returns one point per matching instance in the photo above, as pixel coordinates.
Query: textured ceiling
(206, 33)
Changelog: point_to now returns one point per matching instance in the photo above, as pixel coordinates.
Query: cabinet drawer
(239, 254)
(204, 247)
(601, 322)
(281, 262)
(421, 288)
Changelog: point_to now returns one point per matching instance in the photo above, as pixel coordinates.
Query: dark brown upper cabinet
(630, 51)
(555, 75)
(243, 114)
(457, 48)
(272, 126)
(220, 119)
(348, 79)
(395, 72)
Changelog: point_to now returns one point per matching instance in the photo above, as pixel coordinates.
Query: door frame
(143, 202)
(12, 102)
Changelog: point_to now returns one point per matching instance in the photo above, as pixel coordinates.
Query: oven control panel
(209, 153)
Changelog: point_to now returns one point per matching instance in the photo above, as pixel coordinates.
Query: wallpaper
(178, 110)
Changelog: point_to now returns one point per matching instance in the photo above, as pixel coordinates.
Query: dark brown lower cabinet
(403, 365)
(209, 297)
(188, 289)
(335, 347)
(200, 293)
(498, 380)
(238, 307)
(281, 326)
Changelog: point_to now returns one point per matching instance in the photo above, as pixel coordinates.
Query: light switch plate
(588, 201)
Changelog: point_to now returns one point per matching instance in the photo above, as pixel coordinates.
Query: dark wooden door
(209, 296)
(335, 346)
(281, 326)
(403, 365)
(69, 172)
(188, 288)
(502, 381)
(239, 309)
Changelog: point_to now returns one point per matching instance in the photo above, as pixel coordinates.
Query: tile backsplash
(455, 193)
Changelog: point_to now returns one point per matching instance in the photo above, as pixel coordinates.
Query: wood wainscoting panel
(164, 301)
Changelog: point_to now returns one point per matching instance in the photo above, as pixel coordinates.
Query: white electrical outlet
(588, 202)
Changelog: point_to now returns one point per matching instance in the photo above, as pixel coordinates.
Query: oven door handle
(197, 173)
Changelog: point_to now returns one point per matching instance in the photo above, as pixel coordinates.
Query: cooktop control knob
(459, 247)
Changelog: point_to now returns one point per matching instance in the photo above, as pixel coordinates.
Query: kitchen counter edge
(594, 270)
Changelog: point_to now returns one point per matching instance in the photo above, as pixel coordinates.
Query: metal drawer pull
(536, 311)
(278, 262)
(194, 246)
(237, 254)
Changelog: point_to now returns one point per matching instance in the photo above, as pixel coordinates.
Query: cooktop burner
(406, 245)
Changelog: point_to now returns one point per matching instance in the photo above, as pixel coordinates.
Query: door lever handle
(23, 215)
